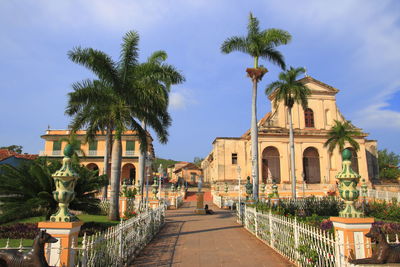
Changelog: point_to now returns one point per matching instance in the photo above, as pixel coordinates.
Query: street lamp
(160, 170)
(148, 165)
(240, 202)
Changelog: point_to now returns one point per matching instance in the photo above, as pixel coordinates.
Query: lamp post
(160, 170)
(148, 165)
(240, 202)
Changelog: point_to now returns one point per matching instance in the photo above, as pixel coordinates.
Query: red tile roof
(5, 154)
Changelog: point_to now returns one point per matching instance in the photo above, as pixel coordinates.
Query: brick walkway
(206, 240)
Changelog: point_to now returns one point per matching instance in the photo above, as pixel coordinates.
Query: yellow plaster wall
(323, 103)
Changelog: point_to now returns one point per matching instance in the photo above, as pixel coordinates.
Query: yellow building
(313, 161)
(94, 151)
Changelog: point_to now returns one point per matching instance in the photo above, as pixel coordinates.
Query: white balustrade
(383, 195)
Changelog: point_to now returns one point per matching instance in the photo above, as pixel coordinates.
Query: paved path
(206, 240)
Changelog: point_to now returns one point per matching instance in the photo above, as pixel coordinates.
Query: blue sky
(352, 45)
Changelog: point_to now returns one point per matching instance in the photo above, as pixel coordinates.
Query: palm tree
(94, 117)
(155, 78)
(340, 134)
(289, 90)
(117, 89)
(28, 189)
(259, 44)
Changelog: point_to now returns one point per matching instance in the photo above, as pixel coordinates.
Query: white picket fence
(383, 195)
(119, 245)
(300, 243)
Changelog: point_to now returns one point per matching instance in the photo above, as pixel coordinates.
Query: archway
(271, 168)
(93, 167)
(311, 167)
(128, 173)
(354, 159)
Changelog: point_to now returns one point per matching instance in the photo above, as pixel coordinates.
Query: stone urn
(155, 187)
(348, 180)
(249, 188)
(65, 180)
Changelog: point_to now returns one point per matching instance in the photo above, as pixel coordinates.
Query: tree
(27, 190)
(118, 90)
(94, 117)
(289, 90)
(197, 161)
(259, 44)
(155, 77)
(389, 164)
(340, 134)
(14, 148)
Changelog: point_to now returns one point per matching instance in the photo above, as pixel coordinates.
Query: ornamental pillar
(351, 225)
(63, 225)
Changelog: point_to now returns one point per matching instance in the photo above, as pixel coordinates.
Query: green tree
(27, 190)
(92, 116)
(389, 163)
(197, 161)
(259, 44)
(154, 78)
(118, 89)
(289, 90)
(14, 148)
(340, 134)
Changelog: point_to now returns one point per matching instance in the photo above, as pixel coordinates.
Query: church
(314, 164)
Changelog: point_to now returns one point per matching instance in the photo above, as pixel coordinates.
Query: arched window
(311, 167)
(271, 169)
(309, 116)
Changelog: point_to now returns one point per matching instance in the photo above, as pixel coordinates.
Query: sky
(352, 45)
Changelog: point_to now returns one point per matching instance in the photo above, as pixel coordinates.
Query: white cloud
(371, 29)
(180, 99)
(377, 115)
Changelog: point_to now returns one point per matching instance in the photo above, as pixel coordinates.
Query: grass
(27, 243)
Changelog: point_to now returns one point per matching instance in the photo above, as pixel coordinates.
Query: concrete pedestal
(61, 253)
(200, 204)
(350, 233)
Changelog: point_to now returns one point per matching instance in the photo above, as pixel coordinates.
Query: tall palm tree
(340, 134)
(259, 44)
(117, 89)
(289, 90)
(94, 117)
(155, 77)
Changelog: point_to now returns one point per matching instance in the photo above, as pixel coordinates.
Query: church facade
(314, 164)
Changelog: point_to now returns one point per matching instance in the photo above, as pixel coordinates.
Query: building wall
(274, 131)
(130, 159)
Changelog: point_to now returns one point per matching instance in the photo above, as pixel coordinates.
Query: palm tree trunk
(116, 159)
(142, 165)
(292, 163)
(254, 140)
(107, 159)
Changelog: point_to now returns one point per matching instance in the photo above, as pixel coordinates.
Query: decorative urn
(249, 188)
(65, 180)
(155, 187)
(348, 180)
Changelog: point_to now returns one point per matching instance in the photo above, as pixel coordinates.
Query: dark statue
(383, 252)
(33, 258)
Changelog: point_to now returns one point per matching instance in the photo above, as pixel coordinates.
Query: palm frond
(234, 44)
